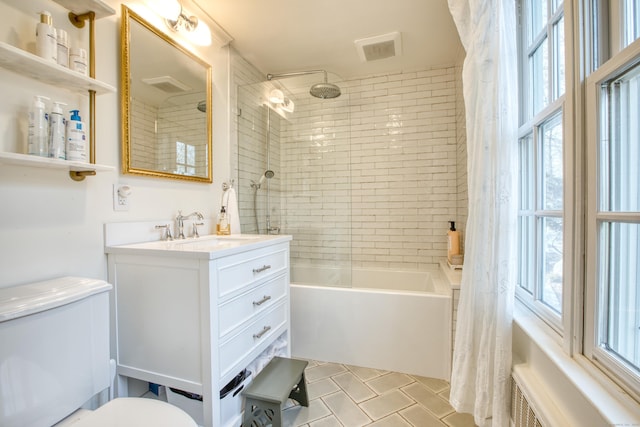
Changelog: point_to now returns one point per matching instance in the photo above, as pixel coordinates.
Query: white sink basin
(209, 246)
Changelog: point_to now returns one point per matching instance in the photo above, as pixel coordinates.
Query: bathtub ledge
(454, 277)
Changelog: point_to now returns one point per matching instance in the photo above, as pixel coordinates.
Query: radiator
(522, 414)
(531, 404)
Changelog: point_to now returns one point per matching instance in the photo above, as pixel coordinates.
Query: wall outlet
(121, 195)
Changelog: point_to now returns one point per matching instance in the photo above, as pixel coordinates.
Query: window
(185, 158)
(541, 157)
(614, 217)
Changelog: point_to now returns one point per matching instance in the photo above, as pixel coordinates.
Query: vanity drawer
(238, 310)
(256, 333)
(238, 271)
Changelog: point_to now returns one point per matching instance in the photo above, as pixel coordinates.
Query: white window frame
(619, 63)
(562, 105)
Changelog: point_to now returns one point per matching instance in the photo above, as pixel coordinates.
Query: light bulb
(276, 96)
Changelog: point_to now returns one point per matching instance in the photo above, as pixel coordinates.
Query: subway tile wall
(371, 178)
(173, 122)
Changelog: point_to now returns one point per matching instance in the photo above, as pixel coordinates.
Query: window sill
(604, 396)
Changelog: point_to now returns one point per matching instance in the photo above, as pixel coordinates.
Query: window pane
(536, 11)
(552, 263)
(621, 291)
(526, 175)
(558, 59)
(526, 253)
(180, 152)
(539, 74)
(631, 22)
(619, 148)
(552, 164)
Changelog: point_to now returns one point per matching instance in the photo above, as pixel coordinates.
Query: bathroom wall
(51, 226)
(461, 158)
(380, 170)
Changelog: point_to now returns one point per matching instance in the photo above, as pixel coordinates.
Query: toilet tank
(54, 349)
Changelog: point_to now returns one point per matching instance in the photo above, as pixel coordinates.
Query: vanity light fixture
(179, 20)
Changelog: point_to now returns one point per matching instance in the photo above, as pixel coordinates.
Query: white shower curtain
(480, 378)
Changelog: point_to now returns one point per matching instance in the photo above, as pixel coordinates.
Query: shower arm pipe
(297, 73)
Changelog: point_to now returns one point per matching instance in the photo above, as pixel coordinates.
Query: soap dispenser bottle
(76, 139)
(453, 242)
(223, 227)
(38, 136)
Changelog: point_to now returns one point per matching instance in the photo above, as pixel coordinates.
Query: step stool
(282, 378)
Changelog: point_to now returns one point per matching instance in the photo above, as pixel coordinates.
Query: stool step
(275, 382)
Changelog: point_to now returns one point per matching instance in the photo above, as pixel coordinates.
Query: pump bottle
(453, 241)
(38, 140)
(76, 139)
(57, 132)
(223, 227)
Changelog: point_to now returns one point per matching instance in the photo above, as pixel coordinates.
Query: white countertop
(204, 247)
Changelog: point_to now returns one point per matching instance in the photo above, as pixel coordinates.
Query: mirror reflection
(166, 94)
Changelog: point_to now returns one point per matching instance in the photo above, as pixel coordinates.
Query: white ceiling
(291, 35)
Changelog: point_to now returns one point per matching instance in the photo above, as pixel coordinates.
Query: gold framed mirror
(165, 105)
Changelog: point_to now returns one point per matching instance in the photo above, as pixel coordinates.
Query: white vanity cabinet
(192, 316)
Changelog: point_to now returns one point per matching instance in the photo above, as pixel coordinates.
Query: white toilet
(54, 357)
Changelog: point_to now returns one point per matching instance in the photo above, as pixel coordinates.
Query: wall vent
(522, 414)
(379, 47)
(166, 84)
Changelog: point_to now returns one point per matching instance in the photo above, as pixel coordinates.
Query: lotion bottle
(76, 139)
(46, 40)
(57, 132)
(453, 241)
(38, 139)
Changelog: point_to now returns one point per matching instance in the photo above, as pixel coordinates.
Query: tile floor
(350, 396)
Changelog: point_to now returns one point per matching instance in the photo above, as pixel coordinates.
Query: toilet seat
(139, 412)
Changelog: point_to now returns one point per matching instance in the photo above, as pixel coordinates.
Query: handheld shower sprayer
(267, 175)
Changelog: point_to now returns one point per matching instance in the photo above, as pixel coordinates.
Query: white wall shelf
(30, 65)
(100, 8)
(77, 170)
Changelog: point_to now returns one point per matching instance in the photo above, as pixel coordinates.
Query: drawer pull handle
(261, 269)
(262, 332)
(263, 300)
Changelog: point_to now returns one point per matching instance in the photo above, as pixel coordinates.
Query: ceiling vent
(166, 84)
(379, 47)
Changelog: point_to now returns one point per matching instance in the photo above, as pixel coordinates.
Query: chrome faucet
(180, 220)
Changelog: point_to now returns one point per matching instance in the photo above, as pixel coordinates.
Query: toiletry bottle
(46, 40)
(78, 60)
(453, 241)
(57, 132)
(76, 140)
(38, 139)
(63, 47)
(223, 227)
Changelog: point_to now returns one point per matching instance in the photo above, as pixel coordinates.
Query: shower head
(267, 175)
(325, 90)
(202, 106)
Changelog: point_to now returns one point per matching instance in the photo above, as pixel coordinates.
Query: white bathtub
(403, 329)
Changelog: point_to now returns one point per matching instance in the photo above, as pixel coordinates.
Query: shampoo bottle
(223, 227)
(453, 241)
(38, 139)
(46, 40)
(57, 132)
(76, 140)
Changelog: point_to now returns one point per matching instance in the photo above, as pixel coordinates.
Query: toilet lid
(139, 412)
